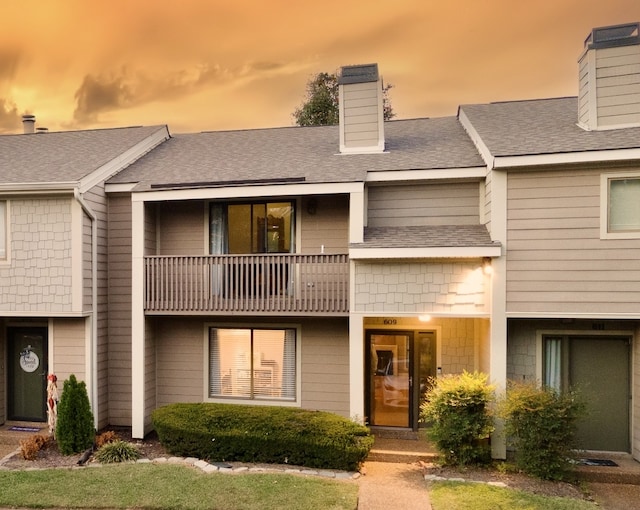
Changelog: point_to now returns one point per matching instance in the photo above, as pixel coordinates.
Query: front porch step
(401, 450)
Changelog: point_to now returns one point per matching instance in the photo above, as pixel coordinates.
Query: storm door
(27, 373)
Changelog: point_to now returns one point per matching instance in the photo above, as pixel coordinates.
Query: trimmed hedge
(275, 435)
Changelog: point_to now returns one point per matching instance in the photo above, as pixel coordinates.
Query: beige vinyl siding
(328, 226)
(361, 121)
(181, 228)
(87, 281)
(325, 365)
(69, 348)
(150, 378)
(181, 353)
(424, 204)
(618, 95)
(119, 323)
(585, 90)
(487, 204)
(97, 201)
(557, 262)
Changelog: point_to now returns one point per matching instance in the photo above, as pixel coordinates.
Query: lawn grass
(479, 496)
(153, 486)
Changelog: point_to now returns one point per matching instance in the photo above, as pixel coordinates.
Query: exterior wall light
(487, 268)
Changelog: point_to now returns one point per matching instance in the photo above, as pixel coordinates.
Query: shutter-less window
(624, 204)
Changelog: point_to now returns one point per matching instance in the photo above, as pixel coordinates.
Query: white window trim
(6, 260)
(604, 206)
(253, 402)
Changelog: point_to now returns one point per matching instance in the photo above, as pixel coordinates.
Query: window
(244, 228)
(3, 230)
(253, 364)
(622, 206)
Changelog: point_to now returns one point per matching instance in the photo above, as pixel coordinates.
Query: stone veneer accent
(419, 287)
(38, 277)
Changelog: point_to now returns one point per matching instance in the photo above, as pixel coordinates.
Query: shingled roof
(302, 154)
(543, 126)
(66, 156)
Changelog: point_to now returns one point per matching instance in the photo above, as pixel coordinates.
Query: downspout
(93, 345)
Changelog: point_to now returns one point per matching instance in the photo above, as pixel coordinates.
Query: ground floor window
(252, 363)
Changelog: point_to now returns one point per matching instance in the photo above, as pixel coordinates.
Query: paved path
(393, 486)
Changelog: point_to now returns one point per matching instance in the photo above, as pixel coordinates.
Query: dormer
(610, 78)
(361, 110)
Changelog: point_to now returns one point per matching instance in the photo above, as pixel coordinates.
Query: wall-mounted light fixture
(312, 206)
(487, 268)
(424, 318)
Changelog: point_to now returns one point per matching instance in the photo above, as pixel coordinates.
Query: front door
(27, 373)
(399, 364)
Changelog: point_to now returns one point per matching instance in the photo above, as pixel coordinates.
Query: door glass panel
(426, 360)
(389, 379)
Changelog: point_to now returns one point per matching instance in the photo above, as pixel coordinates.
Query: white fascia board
(424, 253)
(30, 188)
(120, 187)
(249, 191)
(485, 153)
(124, 160)
(567, 158)
(572, 315)
(478, 172)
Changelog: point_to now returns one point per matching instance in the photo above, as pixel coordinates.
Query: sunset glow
(208, 65)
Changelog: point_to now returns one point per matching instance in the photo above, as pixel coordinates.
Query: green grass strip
(480, 496)
(152, 486)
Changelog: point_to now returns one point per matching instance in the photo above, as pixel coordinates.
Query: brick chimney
(609, 66)
(29, 124)
(361, 110)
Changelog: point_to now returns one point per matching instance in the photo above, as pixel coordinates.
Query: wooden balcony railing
(287, 283)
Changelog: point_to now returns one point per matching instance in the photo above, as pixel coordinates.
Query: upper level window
(622, 206)
(3, 230)
(257, 227)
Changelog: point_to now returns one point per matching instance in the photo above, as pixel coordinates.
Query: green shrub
(540, 424)
(457, 411)
(117, 451)
(280, 435)
(74, 429)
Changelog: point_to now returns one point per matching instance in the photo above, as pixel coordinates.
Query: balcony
(290, 284)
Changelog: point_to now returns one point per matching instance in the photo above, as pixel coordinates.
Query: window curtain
(553, 363)
(217, 244)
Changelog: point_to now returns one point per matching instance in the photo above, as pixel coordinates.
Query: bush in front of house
(540, 424)
(456, 410)
(74, 429)
(117, 451)
(277, 435)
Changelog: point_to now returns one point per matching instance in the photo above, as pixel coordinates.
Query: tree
(320, 106)
(74, 430)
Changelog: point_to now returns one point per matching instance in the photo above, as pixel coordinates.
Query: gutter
(93, 345)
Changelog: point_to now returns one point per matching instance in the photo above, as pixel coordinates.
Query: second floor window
(257, 227)
(624, 204)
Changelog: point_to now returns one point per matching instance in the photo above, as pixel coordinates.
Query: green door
(599, 368)
(27, 373)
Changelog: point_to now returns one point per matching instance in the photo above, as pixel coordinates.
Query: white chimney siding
(609, 72)
(361, 110)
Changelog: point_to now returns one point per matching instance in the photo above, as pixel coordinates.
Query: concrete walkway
(392, 486)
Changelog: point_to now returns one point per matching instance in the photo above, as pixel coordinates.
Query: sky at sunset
(200, 65)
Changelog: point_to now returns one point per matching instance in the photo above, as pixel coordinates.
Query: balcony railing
(287, 283)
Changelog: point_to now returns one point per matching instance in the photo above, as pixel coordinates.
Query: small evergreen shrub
(540, 424)
(74, 429)
(457, 411)
(277, 435)
(117, 451)
(30, 447)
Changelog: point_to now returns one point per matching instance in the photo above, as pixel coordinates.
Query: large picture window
(245, 228)
(253, 364)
